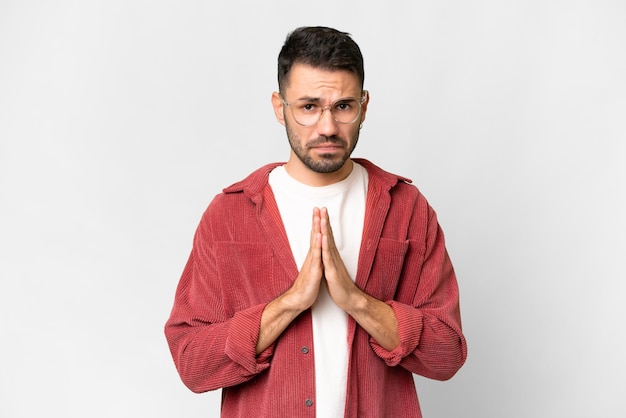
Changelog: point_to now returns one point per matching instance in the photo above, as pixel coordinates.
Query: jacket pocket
(247, 274)
(387, 268)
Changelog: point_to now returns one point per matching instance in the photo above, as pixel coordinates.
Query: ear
(364, 105)
(278, 105)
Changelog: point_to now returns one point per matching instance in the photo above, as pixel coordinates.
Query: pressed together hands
(323, 262)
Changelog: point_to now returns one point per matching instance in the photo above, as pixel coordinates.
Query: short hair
(319, 47)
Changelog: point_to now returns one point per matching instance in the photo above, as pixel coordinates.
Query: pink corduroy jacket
(241, 260)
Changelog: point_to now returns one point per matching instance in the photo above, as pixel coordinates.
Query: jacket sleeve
(211, 348)
(427, 308)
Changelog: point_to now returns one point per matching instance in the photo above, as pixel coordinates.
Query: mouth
(326, 145)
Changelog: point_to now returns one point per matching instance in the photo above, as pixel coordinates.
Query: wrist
(357, 303)
(289, 303)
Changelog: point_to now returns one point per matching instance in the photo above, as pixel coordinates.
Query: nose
(327, 125)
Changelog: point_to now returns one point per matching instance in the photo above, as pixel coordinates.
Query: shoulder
(378, 173)
(398, 191)
(235, 198)
(255, 182)
(387, 181)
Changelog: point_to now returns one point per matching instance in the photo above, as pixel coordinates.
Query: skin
(326, 144)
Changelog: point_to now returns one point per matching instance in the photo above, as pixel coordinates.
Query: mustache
(327, 139)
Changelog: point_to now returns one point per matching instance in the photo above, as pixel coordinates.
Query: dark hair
(320, 47)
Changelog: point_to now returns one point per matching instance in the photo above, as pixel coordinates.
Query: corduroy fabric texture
(241, 260)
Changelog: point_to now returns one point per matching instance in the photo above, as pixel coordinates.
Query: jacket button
(305, 350)
(308, 402)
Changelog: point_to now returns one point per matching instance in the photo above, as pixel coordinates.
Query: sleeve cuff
(410, 323)
(242, 339)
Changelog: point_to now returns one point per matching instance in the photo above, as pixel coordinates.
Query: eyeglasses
(307, 112)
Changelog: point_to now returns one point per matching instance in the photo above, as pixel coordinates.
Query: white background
(119, 121)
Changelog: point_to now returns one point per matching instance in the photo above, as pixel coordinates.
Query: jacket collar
(253, 185)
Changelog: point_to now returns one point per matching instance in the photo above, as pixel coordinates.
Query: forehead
(314, 82)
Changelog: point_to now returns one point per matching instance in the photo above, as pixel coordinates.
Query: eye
(344, 106)
(308, 107)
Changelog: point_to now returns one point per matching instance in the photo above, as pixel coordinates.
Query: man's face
(325, 146)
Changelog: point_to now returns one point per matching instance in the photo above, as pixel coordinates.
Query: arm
(420, 328)
(214, 346)
(211, 347)
(280, 312)
(324, 260)
(228, 280)
(376, 317)
(426, 304)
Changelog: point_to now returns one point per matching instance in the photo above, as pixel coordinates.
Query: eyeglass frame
(364, 96)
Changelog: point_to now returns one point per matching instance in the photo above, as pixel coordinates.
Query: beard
(325, 163)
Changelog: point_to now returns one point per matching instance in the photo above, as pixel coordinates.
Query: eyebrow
(310, 99)
(317, 99)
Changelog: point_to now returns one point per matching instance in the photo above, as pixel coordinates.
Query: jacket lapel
(272, 224)
(376, 208)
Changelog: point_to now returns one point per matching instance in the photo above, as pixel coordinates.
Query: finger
(325, 250)
(315, 250)
(316, 246)
(326, 228)
(328, 251)
(315, 225)
(317, 216)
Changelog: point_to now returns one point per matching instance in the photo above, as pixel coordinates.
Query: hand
(340, 285)
(323, 261)
(374, 316)
(303, 293)
(280, 312)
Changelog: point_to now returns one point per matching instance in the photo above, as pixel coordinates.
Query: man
(317, 287)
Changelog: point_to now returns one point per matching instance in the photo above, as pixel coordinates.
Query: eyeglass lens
(309, 113)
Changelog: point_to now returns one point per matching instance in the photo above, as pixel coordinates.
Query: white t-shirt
(346, 209)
